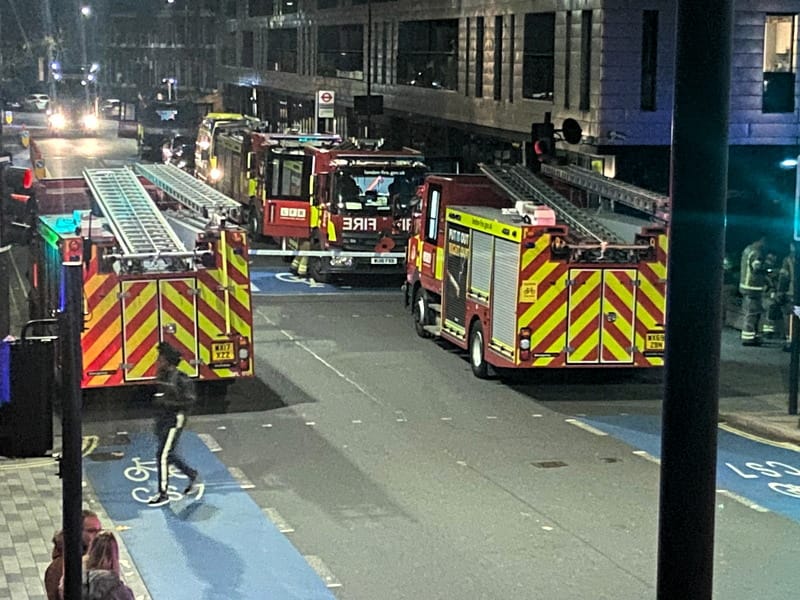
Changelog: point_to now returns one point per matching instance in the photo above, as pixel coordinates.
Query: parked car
(179, 151)
(110, 108)
(36, 102)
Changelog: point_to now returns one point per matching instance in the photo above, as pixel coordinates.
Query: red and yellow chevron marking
(101, 338)
(618, 315)
(651, 304)
(140, 328)
(585, 304)
(542, 303)
(178, 320)
(218, 320)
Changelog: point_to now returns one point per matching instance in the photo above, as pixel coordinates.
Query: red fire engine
(361, 204)
(504, 266)
(162, 262)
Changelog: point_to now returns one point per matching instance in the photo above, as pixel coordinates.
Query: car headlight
(90, 121)
(58, 121)
(215, 174)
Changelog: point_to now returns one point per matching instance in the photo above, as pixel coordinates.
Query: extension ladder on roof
(190, 192)
(133, 217)
(651, 203)
(519, 183)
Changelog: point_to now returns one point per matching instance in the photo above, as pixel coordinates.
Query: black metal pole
(369, 68)
(694, 306)
(5, 255)
(69, 327)
(794, 358)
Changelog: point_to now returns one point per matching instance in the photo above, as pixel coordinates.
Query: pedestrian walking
(175, 398)
(751, 285)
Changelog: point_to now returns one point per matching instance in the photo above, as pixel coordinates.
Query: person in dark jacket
(175, 397)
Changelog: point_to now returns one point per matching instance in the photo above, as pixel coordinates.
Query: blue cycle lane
(271, 281)
(767, 475)
(216, 544)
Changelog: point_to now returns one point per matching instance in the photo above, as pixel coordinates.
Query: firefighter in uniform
(175, 397)
(751, 285)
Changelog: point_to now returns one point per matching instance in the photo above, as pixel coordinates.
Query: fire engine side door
(288, 188)
(140, 334)
(583, 316)
(619, 316)
(431, 253)
(178, 319)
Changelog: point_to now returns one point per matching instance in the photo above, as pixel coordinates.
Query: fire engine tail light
(525, 344)
(244, 354)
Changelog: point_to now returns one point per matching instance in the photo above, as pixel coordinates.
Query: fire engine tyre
(477, 358)
(315, 270)
(255, 223)
(421, 311)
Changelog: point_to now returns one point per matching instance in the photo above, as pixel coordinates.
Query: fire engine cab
(504, 266)
(163, 261)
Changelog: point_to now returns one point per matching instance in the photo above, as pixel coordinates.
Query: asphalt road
(409, 478)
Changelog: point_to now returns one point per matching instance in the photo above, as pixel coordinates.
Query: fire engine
(205, 153)
(269, 174)
(162, 260)
(361, 205)
(506, 267)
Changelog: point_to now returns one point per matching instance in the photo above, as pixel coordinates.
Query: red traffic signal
(543, 137)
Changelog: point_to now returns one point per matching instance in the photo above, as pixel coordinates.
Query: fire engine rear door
(156, 310)
(601, 316)
(178, 319)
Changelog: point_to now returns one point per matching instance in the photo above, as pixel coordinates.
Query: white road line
(585, 426)
(324, 362)
(744, 501)
(647, 456)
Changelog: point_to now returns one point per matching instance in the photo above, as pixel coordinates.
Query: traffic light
(17, 203)
(543, 141)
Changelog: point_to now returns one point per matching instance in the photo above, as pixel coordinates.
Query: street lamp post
(85, 13)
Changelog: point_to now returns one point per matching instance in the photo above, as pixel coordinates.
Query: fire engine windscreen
(377, 191)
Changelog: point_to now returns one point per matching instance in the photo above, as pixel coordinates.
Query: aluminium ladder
(651, 203)
(192, 193)
(519, 183)
(135, 220)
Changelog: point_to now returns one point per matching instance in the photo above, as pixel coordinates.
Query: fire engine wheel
(477, 359)
(255, 223)
(315, 270)
(421, 312)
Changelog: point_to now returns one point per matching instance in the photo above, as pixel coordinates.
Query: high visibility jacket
(752, 276)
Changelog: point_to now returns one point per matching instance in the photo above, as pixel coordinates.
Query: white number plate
(384, 260)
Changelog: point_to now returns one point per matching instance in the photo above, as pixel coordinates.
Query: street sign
(797, 202)
(325, 104)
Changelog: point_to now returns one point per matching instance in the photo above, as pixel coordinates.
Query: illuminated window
(779, 63)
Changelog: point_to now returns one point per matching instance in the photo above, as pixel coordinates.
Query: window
(649, 58)
(779, 63)
(567, 58)
(282, 50)
(432, 218)
(479, 39)
(498, 57)
(586, 59)
(288, 176)
(247, 48)
(512, 24)
(287, 6)
(229, 49)
(467, 42)
(427, 54)
(323, 4)
(340, 51)
(538, 56)
(259, 8)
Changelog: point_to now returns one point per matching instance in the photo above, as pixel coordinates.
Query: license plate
(222, 352)
(384, 260)
(654, 342)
